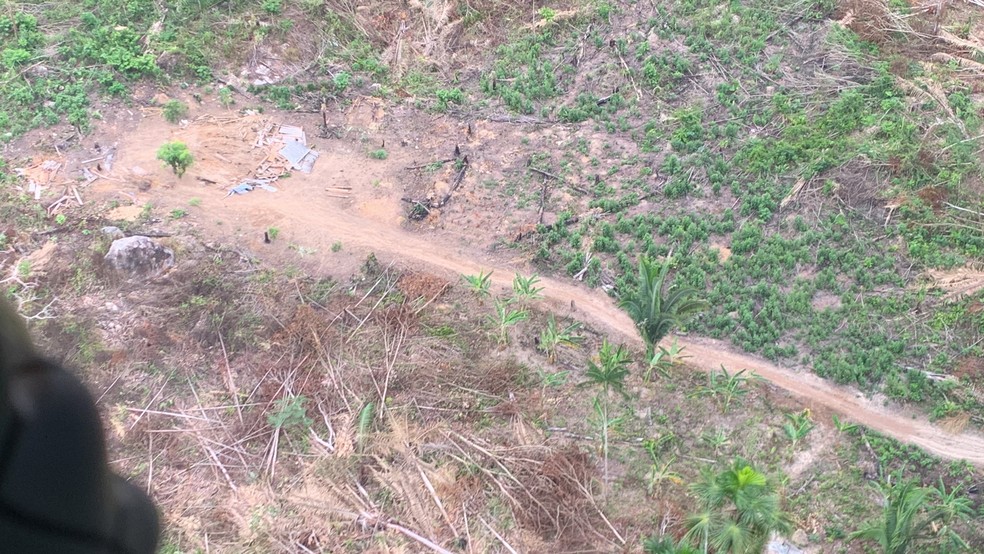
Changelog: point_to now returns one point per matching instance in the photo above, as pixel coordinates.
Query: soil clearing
(313, 224)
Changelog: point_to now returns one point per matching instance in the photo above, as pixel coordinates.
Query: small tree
(176, 155)
(655, 313)
(608, 375)
(739, 510)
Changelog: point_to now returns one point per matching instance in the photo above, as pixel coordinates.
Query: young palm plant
(797, 426)
(480, 283)
(664, 359)
(911, 517)
(505, 317)
(844, 426)
(739, 511)
(609, 374)
(665, 545)
(524, 288)
(655, 313)
(553, 337)
(724, 386)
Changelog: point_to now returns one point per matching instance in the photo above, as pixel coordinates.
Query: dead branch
(543, 200)
(505, 544)
(455, 183)
(431, 164)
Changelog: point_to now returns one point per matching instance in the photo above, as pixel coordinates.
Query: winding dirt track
(599, 311)
(371, 222)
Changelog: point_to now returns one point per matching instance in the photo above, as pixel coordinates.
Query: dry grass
(919, 34)
(957, 283)
(254, 440)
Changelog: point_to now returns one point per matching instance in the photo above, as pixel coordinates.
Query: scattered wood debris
(421, 208)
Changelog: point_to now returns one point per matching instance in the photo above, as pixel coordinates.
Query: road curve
(598, 310)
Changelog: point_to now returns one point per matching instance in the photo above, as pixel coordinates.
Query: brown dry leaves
(958, 283)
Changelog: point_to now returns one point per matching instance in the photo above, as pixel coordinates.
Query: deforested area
(475, 276)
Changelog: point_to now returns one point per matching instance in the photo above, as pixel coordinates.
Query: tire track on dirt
(598, 310)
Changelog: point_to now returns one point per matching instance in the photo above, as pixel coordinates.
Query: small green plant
(725, 387)
(176, 156)
(379, 154)
(445, 97)
(844, 426)
(659, 469)
(797, 426)
(60, 219)
(663, 360)
(273, 233)
(272, 7)
(664, 545)
(609, 374)
(24, 269)
(505, 317)
(548, 14)
(524, 288)
(290, 413)
(178, 213)
(336, 246)
(195, 202)
(553, 380)
(225, 97)
(341, 81)
(174, 111)
(553, 337)
(717, 440)
(480, 283)
(4, 241)
(366, 416)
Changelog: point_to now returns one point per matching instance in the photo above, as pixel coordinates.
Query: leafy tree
(609, 374)
(654, 312)
(176, 155)
(913, 514)
(739, 510)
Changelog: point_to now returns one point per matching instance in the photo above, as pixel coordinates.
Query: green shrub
(341, 80)
(272, 7)
(448, 96)
(176, 155)
(174, 111)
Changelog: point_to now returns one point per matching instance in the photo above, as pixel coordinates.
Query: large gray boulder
(139, 256)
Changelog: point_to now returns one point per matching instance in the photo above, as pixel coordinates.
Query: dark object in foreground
(56, 491)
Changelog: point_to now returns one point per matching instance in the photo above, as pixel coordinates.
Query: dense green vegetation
(791, 174)
(62, 62)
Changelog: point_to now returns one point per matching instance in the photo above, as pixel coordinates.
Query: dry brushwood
(958, 283)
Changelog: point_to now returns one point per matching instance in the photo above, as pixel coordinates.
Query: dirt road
(442, 252)
(370, 222)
